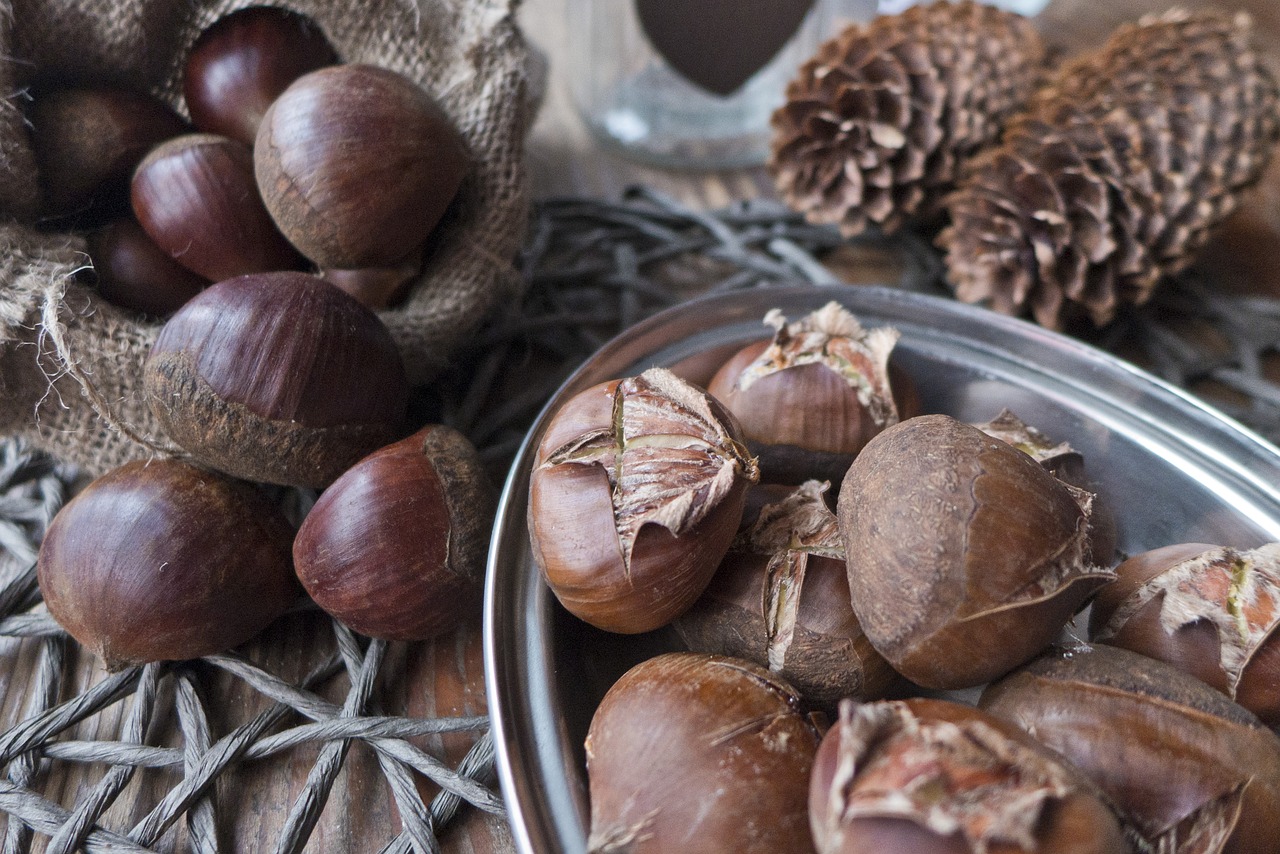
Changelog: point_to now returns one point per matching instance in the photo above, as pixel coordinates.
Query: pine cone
(877, 123)
(1116, 173)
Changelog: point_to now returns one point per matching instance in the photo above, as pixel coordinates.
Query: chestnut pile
(836, 644)
(302, 194)
(291, 160)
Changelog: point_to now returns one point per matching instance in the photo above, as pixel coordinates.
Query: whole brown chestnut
(780, 598)
(241, 62)
(133, 272)
(637, 489)
(1208, 610)
(965, 556)
(813, 396)
(378, 287)
(1189, 769)
(690, 752)
(160, 560)
(195, 196)
(87, 142)
(277, 377)
(937, 777)
(395, 547)
(357, 165)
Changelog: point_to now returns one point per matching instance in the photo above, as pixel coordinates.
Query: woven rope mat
(591, 269)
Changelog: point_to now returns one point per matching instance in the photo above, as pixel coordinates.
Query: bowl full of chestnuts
(860, 569)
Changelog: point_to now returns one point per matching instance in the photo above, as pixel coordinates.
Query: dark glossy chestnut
(241, 62)
(277, 377)
(196, 197)
(133, 272)
(87, 142)
(161, 560)
(357, 165)
(395, 548)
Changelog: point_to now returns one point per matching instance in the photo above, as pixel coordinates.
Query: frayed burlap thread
(73, 388)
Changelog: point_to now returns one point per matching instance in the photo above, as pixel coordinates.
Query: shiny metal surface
(1174, 470)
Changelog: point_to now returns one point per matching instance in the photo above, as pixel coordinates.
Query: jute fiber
(70, 363)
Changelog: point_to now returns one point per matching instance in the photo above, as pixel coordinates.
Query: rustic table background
(445, 678)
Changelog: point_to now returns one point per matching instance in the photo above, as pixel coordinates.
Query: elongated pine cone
(876, 125)
(1117, 172)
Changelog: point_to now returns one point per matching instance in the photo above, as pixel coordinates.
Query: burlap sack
(70, 363)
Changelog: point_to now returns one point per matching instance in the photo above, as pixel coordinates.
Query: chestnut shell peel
(965, 556)
(162, 560)
(277, 377)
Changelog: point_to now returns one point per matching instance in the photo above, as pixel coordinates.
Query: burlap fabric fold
(71, 364)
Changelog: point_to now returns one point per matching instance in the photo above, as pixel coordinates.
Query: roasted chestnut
(965, 556)
(1067, 465)
(690, 752)
(1208, 610)
(781, 599)
(636, 491)
(161, 560)
(133, 272)
(241, 62)
(813, 396)
(395, 547)
(357, 165)
(277, 377)
(1191, 770)
(87, 142)
(937, 777)
(195, 196)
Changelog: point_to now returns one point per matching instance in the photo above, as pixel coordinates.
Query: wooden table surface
(445, 678)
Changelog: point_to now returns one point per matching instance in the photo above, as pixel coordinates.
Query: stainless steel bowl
(1173, 469)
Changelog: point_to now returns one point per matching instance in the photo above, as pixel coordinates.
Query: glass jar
(692, 83)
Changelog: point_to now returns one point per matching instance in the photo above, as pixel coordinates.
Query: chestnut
(161, 560)
(357, 165)
(1208, 610)
(813, 396)
(1189, 769)
(195, 196)
(965, 556)
(637, 489)
(241, 62)
(378, 287)
(780, 598)
(395, 547)
(277, 377)
(691, 752)
(1067, 465)
(87, 142)
(926, 776)
(134, 273)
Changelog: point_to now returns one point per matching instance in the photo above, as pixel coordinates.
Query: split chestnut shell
(637, 489)
(965, 556)
(940, 777)
(277, 377)
(1208, 610)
